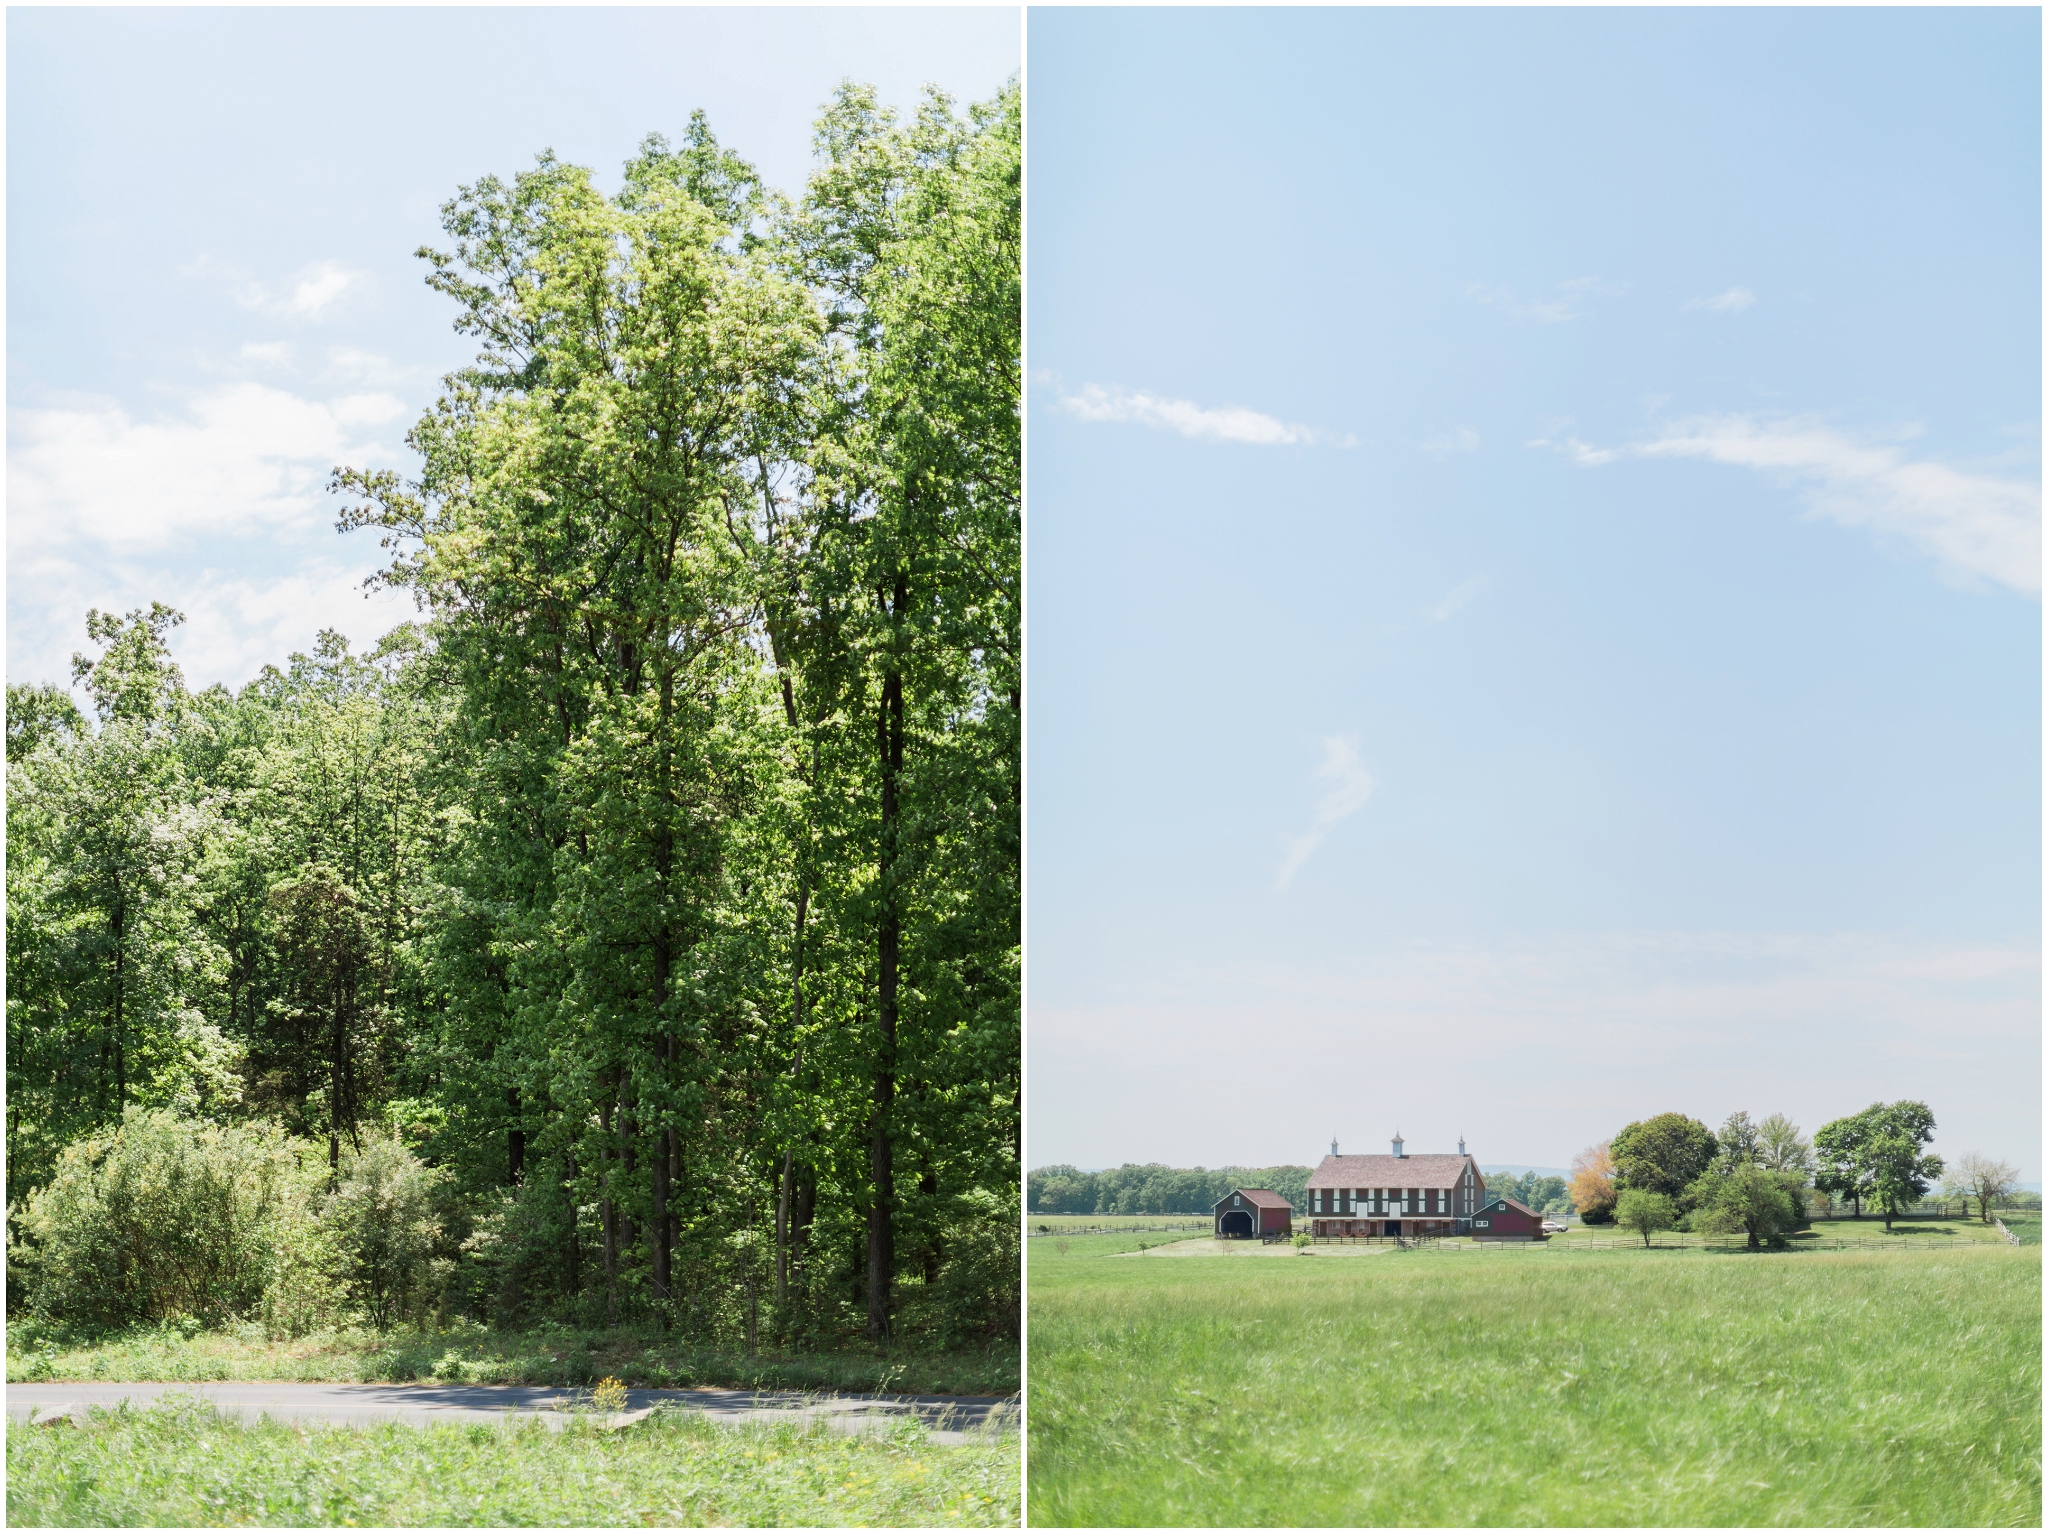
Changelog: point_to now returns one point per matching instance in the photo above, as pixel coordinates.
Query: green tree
(1665, 1154)
(1881, 1143)
(1645, 1212)
(1781, 1147)
(1745, 1198)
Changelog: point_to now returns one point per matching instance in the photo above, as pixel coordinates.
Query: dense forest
(634, 937)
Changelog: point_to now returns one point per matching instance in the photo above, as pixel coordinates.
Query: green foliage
(1611, 1388)
(658, 890)
(1662, 1155)
(1645, 1212)
(1744, 1197)
(162, 1217)
(1876, 1154)
(1544, 1194)
(386, 1228)
(1155, 1189)
(177, 1465)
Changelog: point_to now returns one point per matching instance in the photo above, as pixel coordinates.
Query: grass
(474, 1355)
(178, 1464)
(1542, 1386)
(1193, 1223)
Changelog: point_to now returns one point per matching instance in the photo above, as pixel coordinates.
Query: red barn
(1506, 1219)
(1246, 1212)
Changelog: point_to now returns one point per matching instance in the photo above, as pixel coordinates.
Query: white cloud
(1975, 526)
(1221, 423)
(1459, 595)
(235, 624)
(1734, 301)
(320, 286)
(238, 458)
(313, 292)
(1463, 440)
(1350, 787)
(266, 353)
(1568, 305)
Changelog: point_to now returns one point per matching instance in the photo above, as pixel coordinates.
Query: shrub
(163, 1216)
(385, 1228)
(978, 1288)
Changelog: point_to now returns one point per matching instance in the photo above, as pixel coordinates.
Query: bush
(979, 1279)
(385, 1228)
(160, 1217)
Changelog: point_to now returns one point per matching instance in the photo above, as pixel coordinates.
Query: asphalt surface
(951, 1419)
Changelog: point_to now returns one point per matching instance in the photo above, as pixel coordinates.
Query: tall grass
(1538, 1387)
(180, 1465)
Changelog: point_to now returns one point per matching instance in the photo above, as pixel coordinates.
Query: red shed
(1506, 1219)
(1245, 1212)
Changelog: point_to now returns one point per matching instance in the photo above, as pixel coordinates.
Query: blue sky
(212, 297)
(1534, 576)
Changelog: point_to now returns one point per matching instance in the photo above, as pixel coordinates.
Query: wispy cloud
(1975, 526)
(1463, 440)
(314, 292)
(1350, 786)
(1218, 423)
(1459, 595)
(1569, 304)
(1734, 301)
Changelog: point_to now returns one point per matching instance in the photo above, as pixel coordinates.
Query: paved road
(951, 1418)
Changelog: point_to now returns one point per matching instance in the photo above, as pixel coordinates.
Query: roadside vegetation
(1544, 1385)
(473, 1354)
(180, 1465)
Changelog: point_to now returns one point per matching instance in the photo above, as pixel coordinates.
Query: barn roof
(1258, 1198)
(1390, 1171)
(1513, 1203)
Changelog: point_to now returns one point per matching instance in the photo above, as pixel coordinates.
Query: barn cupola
(1461, 1145)
(1397, 1144)
(1333, 1145)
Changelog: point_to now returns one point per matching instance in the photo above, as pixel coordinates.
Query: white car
(1555, 1227)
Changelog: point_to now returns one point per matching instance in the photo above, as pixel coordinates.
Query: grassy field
(476, 1356)
(180, 1465)
(1058, 1223)
(1543, 1386)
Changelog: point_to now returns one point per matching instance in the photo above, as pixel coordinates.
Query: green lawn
(477, 1356)
(180, 1465)
(1540, 1386)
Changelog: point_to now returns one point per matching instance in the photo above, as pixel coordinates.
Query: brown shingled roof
(1258, 1198)
(1390, 1171)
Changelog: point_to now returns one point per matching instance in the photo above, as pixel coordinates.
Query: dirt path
(950, 1418)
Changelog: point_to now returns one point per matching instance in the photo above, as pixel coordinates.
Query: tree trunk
(881, 1253)
(515, 1141)
(608, 1212)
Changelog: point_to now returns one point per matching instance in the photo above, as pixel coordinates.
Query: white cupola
(1397, 1143)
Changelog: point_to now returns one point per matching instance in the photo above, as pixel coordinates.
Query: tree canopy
(660, 886)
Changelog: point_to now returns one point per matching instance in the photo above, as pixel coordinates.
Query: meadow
(472, 1354)
(1057, 1224)
(180, 1465)
(1537, 1386)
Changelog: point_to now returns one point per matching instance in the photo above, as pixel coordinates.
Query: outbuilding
(1507, 1219)
(1244, 1213)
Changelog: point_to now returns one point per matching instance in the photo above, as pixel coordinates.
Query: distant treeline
(1155, 1189)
